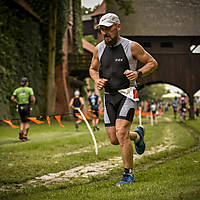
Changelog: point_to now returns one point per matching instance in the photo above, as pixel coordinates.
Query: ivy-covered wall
(24, 50)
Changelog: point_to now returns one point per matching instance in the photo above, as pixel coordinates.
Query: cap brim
(107, 24)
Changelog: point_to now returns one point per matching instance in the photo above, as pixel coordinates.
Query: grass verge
(168, 174)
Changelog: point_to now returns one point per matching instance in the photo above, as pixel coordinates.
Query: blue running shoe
(126, 179)
(25, 139)
(140, 146)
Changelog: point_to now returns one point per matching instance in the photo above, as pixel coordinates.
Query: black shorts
(95, 112)
(117, 106)
(24, 112)
(75, 112)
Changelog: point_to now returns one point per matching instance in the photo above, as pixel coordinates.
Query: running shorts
(75, 112)
(24, 112)
(153, 112)
(117, 106)
(95, 113)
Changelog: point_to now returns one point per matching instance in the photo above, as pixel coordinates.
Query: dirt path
(85, 171)
(94, 169)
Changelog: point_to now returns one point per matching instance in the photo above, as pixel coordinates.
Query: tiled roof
(161, 18)
(101, 10)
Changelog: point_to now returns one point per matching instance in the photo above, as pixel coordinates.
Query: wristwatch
(139, 74)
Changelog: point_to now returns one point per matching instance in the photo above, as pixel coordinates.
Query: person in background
(23, 96)
(77, 102)
(175, 106)
(94, 101)
(149, 107)
(153, 110)
(166, 107)
(117, 57)
(197, 108)
(183, 107)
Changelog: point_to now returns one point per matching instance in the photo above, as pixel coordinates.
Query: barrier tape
(58, 117)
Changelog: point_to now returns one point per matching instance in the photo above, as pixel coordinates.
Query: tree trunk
(66, 51)
(70, 26)
(65, 69)
(191, 111)
(51, 87)
(62, 93)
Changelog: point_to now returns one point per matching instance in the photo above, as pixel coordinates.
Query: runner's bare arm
(71, 103)
(150, 64)
(32, 99)
(82, 102)
(13, 99)
(94, 70)
(99, 101)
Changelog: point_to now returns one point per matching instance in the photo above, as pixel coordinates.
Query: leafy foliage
(87, 11)
(152, 92)
(22, 53)
(91, 39)
(126, 5)
(62, 21)
(24, 49)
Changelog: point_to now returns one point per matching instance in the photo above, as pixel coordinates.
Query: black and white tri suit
(114, 62)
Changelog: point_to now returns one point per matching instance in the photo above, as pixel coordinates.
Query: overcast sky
(90, 3)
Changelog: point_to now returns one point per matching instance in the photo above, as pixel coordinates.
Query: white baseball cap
(76, 93)
(108, 20)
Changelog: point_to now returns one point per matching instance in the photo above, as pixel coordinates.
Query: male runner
(77, 102)
(183, 106)
(23, 96)
(117, 57)
(153, 109)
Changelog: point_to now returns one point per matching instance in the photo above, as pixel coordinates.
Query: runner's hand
(101, 82)
(131, 75)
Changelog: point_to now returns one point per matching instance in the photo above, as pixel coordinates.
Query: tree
(152, 92)
(51, 87)
(126, 5)
(87, 11)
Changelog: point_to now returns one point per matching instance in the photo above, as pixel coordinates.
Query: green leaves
(126, 5)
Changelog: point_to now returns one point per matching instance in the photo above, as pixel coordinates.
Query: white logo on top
(118, 59)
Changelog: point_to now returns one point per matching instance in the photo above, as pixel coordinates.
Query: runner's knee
(114, 141)
(122, 134)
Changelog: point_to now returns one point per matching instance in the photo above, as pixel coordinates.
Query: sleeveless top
(93, 100)
(77, 103)
(114, 61)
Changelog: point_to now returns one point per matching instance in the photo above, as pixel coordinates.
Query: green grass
(169, 174)
(172, 180)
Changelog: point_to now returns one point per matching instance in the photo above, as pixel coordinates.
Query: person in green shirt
(23, 96)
